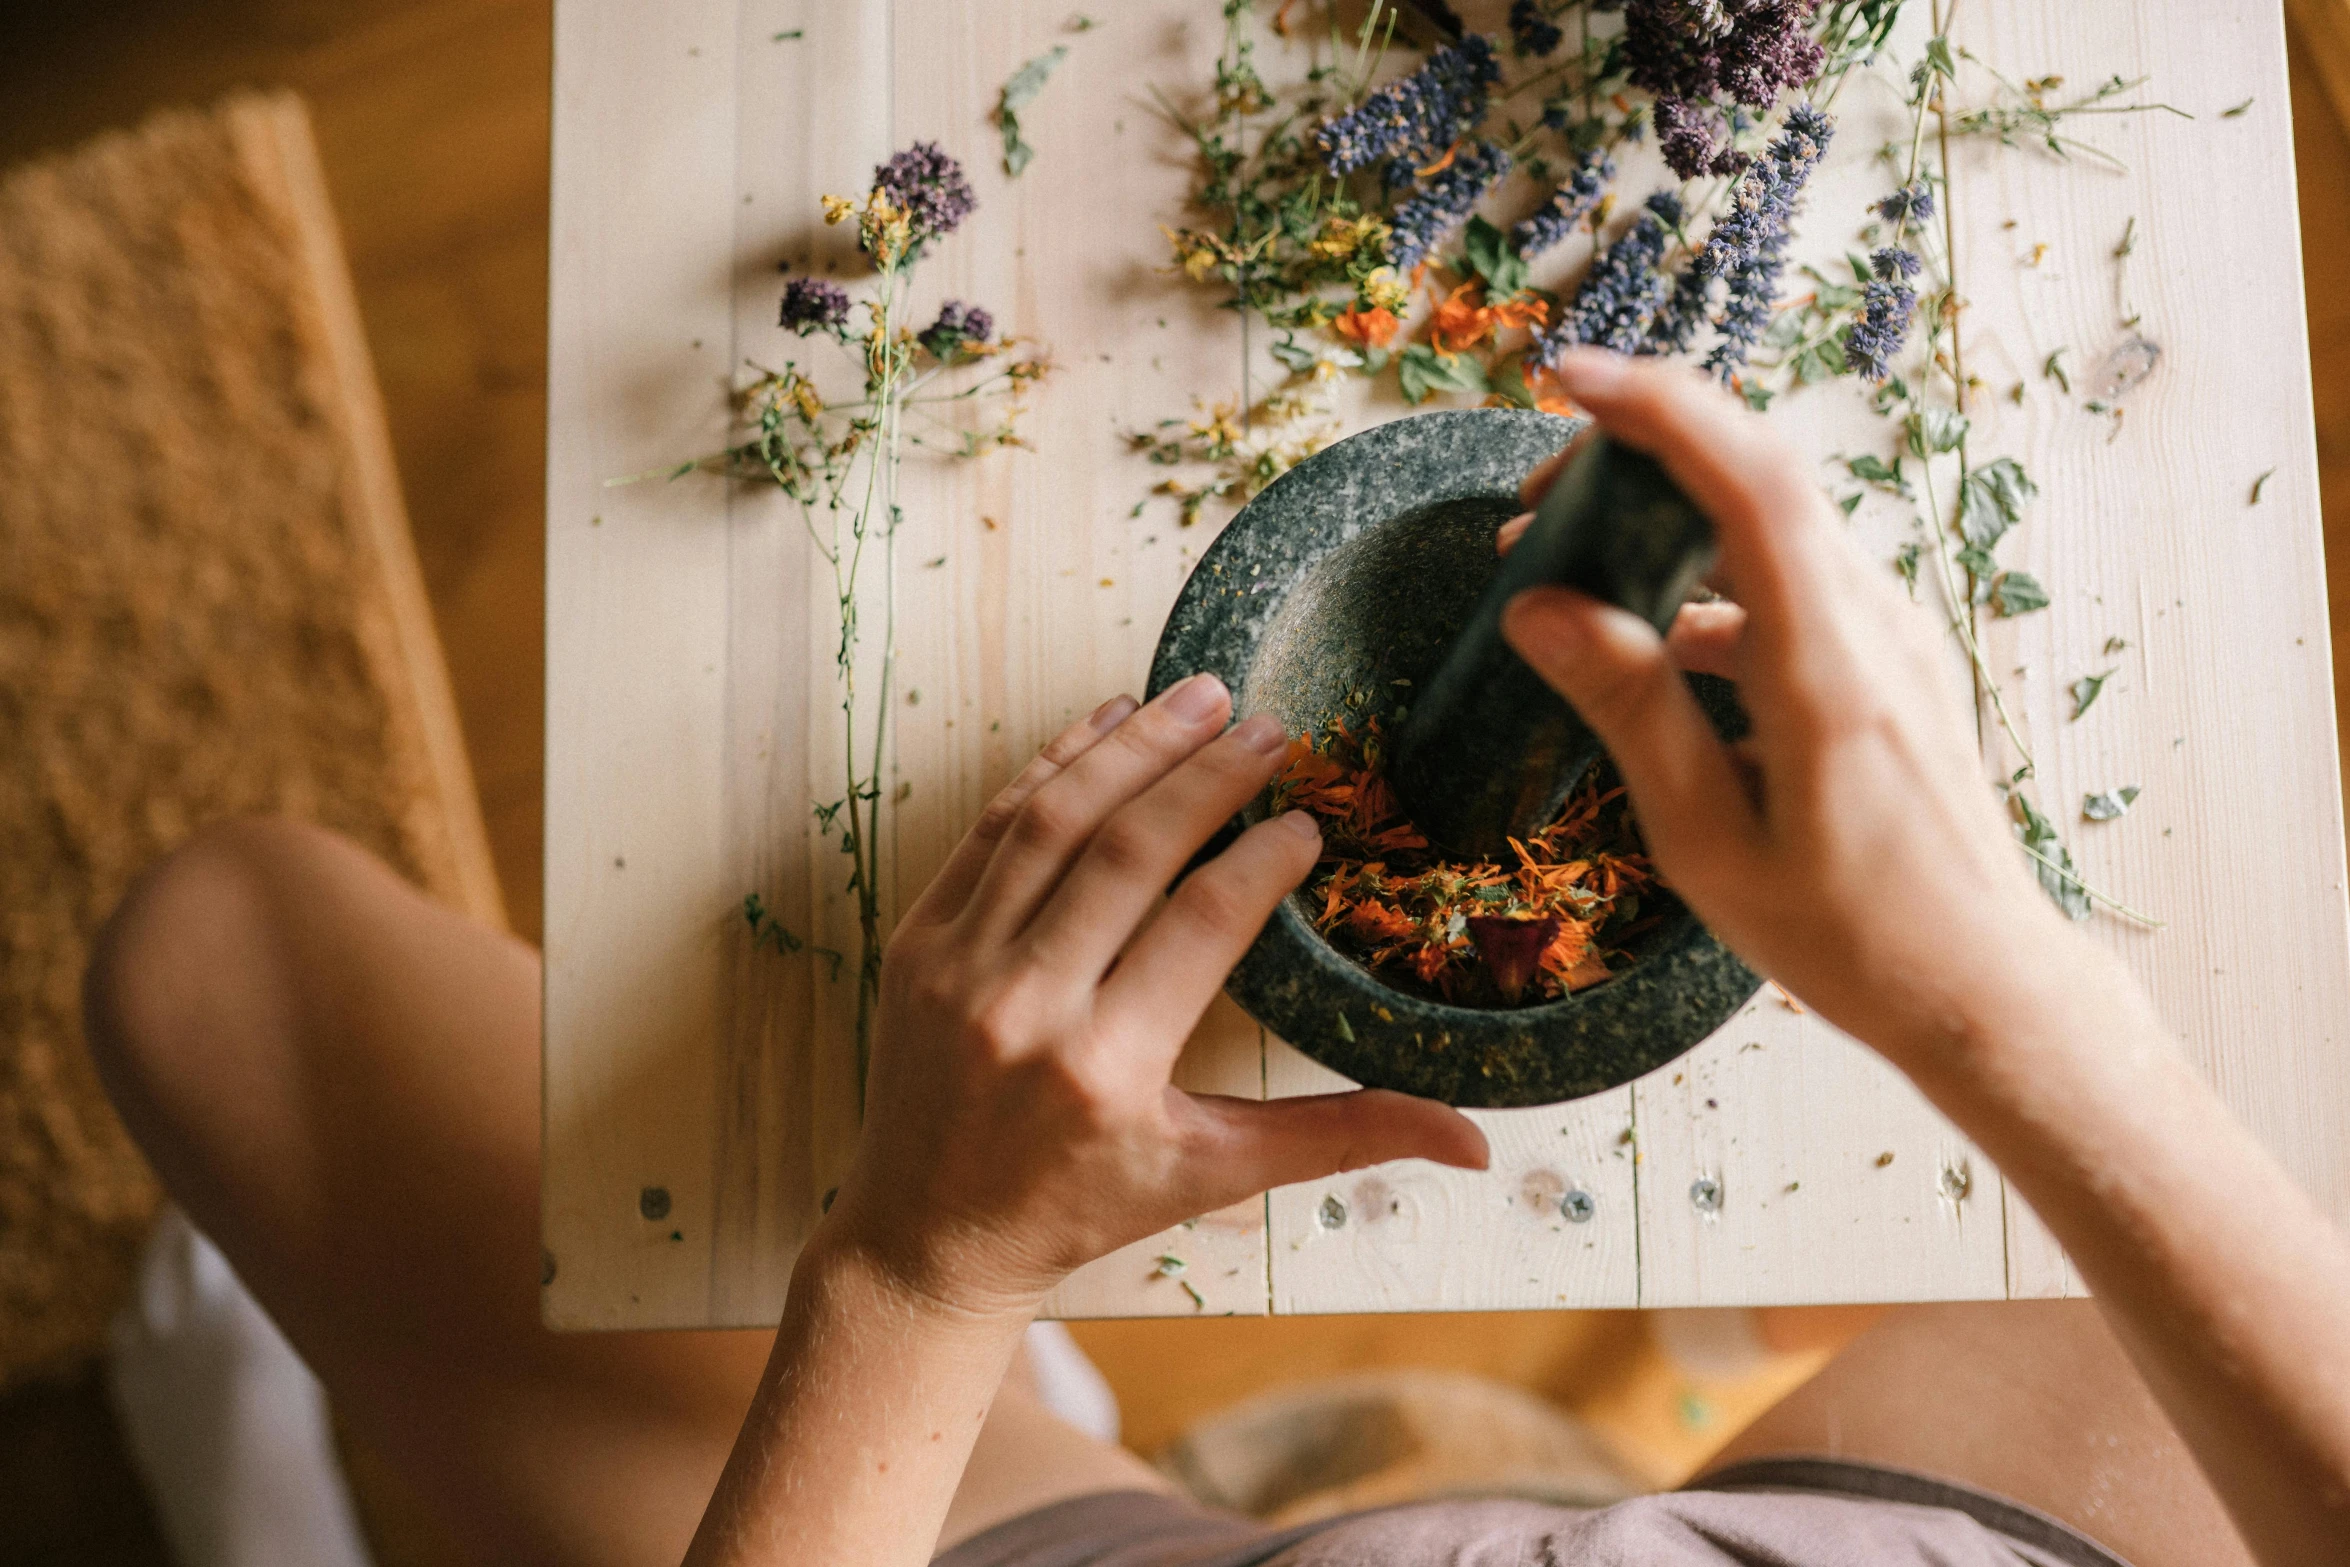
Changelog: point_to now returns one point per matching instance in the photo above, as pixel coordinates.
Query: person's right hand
(1852, 847)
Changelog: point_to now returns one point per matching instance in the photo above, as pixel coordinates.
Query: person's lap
(338, 1079)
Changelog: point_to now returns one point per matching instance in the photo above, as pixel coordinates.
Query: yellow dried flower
(837, 207)
(1383, 290)
(1342, 237)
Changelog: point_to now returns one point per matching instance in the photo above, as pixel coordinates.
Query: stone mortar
(1343, 580)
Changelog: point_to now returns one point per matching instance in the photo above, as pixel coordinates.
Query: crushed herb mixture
(1481, 933)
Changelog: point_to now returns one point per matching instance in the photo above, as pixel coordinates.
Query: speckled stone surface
(1345, 578)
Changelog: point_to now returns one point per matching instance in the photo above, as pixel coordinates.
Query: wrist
(2049, 995)
(930, 1278)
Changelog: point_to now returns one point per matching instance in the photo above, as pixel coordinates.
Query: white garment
(224, 1421)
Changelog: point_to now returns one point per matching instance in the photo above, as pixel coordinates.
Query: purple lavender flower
(1616, 303)
(1885, 307)
(1699, 57)
(1425, 220)
(1568, 206)
(1747, 248)
(929, 187)
(814, 304)
(1695, 139)
(956, 325)
(1893, 263)
(1872, 340)
(1418, 116)
(1532, 33)
(1913, 201)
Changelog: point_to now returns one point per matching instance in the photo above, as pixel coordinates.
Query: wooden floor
(432, 119)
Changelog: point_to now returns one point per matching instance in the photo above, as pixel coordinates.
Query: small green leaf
(2086, 690)
(1758, 396)
(2108, 807)
(2053, 863)
(1905, 561)
(1346, 1030)
(1992, 500)
(1851, 503)
(1023, 86)
(1294, 354)
(1938, 56)
(1423, 370)
(1934, 430)
(1874, 470)
(2237, 112)
(2017, 593)
(1490, 254)
(2053, 369)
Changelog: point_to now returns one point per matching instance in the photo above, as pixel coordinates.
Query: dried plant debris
(2108, 806)
(1018, 92)
(2086, 690)
(1554, 919)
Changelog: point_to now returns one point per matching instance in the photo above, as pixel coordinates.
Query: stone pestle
(1487, 751)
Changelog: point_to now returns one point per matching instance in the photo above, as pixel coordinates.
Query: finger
(1051, 827)
(1614, 670)
(944, 898)
(1177, 964)
(1545, 473)
(1767, 513)
(1245, 1146)
(1709, 639)
(1512, 531)
(1148, 840)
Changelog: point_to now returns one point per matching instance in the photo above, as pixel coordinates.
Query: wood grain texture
(1025, 591)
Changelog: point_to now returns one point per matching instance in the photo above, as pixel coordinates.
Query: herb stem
(2092, 894)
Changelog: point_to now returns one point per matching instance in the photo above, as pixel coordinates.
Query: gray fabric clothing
(1807, 1512)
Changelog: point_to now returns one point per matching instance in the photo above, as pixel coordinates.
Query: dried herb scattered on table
(1483, 933)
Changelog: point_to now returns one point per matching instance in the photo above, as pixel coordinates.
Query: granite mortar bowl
(1326, 600)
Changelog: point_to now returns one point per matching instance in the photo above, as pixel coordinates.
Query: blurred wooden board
(690, 719)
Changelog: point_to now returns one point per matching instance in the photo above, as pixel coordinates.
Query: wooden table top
(700, 1092)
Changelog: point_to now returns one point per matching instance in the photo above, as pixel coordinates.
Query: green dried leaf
(2053, 369)
(1295, 355)
(2260, 484)
(1024, 85)
(1489, 253)
(1758, 396)
(1992, 500)
(2017, 593)
(1851, 503)
(2108, 807)
(2054, 865)
(2237, 112)
(1905, 561)
(1873, 470)
(1935, 430)
(2086, 690)
(1422, 370)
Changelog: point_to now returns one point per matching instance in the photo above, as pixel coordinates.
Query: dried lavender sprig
(1532, 33)
(814, 304)
(1747, 248)
(1568, 206)
(1428, 218)
(1617, 301)
(1419, 115)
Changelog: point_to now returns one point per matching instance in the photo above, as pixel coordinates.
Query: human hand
(1851, 847)
(1019, 1119)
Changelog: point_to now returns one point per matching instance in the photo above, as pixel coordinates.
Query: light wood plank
(638, 874)
(1415, 1236)
(2220, 706)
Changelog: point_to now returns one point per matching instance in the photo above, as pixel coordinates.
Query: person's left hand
(1019, 1117)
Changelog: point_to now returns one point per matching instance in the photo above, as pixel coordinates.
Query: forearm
(2229, 1287)
(862, 1424)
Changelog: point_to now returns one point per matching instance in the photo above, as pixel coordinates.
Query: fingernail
(1262, 732)
(1512, 531)
(1201, 696)
(1590, 370)
(1302, 823)
(1112, 713)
